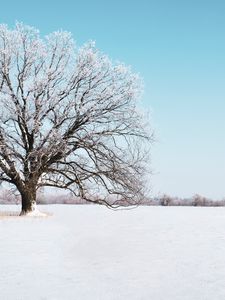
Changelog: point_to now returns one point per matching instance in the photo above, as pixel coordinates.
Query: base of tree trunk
(32, 212)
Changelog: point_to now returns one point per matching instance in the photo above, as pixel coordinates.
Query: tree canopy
(69, 119)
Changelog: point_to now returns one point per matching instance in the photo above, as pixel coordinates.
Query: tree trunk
(28, 198)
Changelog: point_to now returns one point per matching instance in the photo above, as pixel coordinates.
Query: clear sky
(178, 47)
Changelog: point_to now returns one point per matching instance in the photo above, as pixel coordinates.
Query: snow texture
(90, 252)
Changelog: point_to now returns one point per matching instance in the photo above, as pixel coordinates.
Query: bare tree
(68, 119)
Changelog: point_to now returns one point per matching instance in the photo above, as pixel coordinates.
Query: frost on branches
(68, 119)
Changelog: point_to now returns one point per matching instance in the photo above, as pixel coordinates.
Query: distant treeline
(8, 197)
(196, 200)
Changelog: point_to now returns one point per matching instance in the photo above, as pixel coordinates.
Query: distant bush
(8, 197)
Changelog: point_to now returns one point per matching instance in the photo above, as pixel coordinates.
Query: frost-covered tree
(68, 119)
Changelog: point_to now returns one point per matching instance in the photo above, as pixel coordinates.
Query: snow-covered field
(90, 252)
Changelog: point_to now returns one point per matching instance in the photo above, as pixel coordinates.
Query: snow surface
(89, 252)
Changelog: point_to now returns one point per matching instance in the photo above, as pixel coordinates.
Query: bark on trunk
(28, 197)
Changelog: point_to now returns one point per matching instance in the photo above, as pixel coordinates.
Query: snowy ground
(92, 253)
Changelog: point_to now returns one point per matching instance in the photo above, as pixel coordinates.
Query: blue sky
(178, 47)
